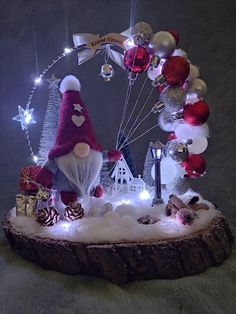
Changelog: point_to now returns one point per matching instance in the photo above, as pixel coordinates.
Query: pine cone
(47, 216)
(148, 220)
(73, 211)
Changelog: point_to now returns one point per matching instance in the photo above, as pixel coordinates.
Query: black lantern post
(157, 151)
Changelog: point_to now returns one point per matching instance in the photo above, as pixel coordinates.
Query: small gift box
(31, 205)
(27, 176)
(20, 204)
(25, 204)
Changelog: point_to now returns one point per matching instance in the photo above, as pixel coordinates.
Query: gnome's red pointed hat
(74, 123)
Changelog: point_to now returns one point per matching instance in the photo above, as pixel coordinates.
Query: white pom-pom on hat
(70, 82)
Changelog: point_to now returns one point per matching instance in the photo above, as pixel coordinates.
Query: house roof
(137, 181)
(122, 163)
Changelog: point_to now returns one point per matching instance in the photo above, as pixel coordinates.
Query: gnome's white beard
(82, 173)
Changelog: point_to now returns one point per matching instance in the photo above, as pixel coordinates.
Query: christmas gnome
(74, 162)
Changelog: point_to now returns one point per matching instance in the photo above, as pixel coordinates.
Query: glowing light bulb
(35, 158)
(129, 43)
(38, 80)
(67, 50)
(144, 195)
(65, 226)
(28, 116)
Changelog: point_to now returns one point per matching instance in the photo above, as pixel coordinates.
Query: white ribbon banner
(95, 43)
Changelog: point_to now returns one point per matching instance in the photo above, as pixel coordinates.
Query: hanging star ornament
(78, 107)
(25, 117)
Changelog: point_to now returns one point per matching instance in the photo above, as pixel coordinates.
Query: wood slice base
(125, 262)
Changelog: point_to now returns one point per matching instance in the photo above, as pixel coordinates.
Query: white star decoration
(25, 117)
(78, 107)
(53, 82)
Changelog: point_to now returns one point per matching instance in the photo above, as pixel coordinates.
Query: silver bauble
(178, 151)
(163, 44)
(173, 98)
(196, 89)
(166, 121)
(141, 33)
(193, 73)
(178, 186)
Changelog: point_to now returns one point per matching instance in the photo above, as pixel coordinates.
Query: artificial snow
(114, 219)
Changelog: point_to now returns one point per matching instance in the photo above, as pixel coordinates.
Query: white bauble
(200, 130)
(154, 72)
(198, 146)
(184, 131)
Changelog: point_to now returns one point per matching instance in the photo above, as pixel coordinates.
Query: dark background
(35, 32)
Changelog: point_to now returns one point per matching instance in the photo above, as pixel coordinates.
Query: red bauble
(197, 113)
(171, 136)
(194, 165)
(137, 59)
(175, 35)
(176, 70)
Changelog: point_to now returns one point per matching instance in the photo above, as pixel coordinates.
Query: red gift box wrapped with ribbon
(27, 176)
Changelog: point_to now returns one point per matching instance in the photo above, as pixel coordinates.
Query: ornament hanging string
(147, 115)
(136, 103)
(127, 97)
(132, 130)
(139, 136)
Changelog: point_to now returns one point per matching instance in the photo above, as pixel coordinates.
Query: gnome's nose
(81, 150)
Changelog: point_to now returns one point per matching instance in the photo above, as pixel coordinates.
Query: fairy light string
(37, 82)
(132, 129)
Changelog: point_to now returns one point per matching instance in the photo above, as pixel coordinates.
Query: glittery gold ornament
(43, 194)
